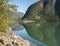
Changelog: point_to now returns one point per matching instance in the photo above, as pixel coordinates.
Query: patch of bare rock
(12, 39)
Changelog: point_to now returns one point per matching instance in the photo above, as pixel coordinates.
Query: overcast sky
(24, 4)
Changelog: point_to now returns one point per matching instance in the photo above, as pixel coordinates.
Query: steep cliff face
(57, 7)
(45, 13)
(45, 9)
(33, 10)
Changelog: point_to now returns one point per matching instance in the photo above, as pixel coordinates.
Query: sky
(23, 4)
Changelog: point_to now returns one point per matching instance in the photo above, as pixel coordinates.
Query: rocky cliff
(46, 14)
(45, 9)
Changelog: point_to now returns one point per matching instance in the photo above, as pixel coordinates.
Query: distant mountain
(20, 14)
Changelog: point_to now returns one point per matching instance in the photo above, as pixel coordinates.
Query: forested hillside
(45, 28)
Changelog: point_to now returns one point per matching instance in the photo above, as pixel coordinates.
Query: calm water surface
(24, 35)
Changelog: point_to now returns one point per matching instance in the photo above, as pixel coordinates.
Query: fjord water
(42, 34)
(23, 33)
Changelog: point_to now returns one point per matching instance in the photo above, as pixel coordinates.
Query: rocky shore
(12, 39)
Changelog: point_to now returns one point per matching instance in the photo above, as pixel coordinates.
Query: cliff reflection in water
(45, 32)
(24, 35)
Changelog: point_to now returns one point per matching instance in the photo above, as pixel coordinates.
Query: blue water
(24, 35)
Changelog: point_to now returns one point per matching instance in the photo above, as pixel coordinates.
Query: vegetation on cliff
(46, 22)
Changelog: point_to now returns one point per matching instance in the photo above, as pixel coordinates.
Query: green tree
(4, 7)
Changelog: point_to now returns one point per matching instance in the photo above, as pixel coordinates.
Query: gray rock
(12, 39)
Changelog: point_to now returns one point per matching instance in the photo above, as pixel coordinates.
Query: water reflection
(57, 34)
(24, 35)
(44, 32)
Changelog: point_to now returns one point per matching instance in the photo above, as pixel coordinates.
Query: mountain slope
(33, 10)
(46, 22)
